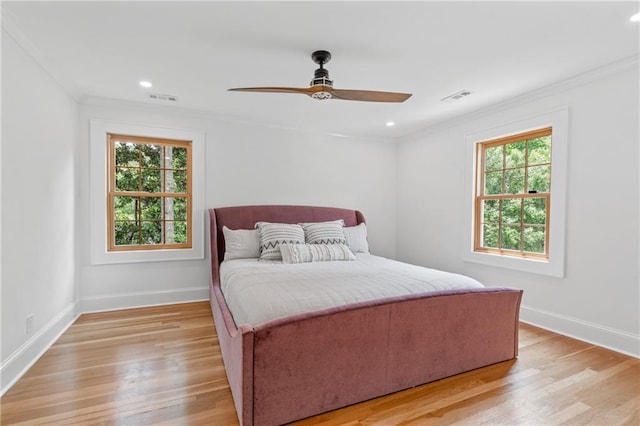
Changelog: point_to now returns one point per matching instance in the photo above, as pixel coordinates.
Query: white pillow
(324, 232)
(357, 238)
(240, 243)
(271, 235)
(302, 253)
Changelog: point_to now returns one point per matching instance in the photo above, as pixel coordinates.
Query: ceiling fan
(321, 87)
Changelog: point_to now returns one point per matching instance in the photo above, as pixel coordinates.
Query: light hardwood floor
(162, 365)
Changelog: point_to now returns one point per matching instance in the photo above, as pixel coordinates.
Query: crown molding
(13, 30)
(577, 80)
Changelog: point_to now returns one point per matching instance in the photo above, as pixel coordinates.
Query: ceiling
(197, 50)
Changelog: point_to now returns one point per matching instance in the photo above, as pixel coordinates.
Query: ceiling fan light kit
(321, 87)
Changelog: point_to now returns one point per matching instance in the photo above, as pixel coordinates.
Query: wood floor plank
(162, 365)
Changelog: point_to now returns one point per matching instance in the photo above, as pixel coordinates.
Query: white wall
(245, 164)
(39, 194)
(599, 298)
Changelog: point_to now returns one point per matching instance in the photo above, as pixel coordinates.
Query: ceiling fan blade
(369, 95)
(303, 90)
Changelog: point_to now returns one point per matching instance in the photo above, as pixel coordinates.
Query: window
(513, 193)
(516, 184)
(145, 207)
(149, 196)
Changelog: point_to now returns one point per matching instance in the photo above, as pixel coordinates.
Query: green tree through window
(513, 187)
(149, 193)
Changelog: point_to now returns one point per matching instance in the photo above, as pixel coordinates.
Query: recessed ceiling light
(636, 17)
(390, 124)
(145, 83)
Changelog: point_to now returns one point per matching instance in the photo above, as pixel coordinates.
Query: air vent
(456, 96)
(162, 97)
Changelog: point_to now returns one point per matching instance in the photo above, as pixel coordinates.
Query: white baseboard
(116, 302)
(26, 355)
(610, 338)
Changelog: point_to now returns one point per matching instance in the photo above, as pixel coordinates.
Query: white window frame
(100, 255)
(558, 120)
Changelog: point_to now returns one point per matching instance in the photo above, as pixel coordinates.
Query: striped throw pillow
(303, 253)
(271, 235)
(324, 232)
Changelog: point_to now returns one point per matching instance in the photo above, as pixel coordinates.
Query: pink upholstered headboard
(245, 217)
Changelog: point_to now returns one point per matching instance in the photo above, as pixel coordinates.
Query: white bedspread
(258, 291)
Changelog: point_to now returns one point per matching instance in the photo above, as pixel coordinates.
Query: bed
(308, 363)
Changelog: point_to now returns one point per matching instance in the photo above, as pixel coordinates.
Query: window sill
(137, 256)
(531, 265)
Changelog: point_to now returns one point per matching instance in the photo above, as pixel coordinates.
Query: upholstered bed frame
(300, 366)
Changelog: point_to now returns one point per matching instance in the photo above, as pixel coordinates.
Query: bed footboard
(313, 363)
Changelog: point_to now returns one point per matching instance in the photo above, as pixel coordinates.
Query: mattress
(261, 291)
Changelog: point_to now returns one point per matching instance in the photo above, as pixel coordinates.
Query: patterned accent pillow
(324, 232)
(302, 253)
(271, 235)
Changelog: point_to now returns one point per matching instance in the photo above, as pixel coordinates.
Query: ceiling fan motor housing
(321, 78)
